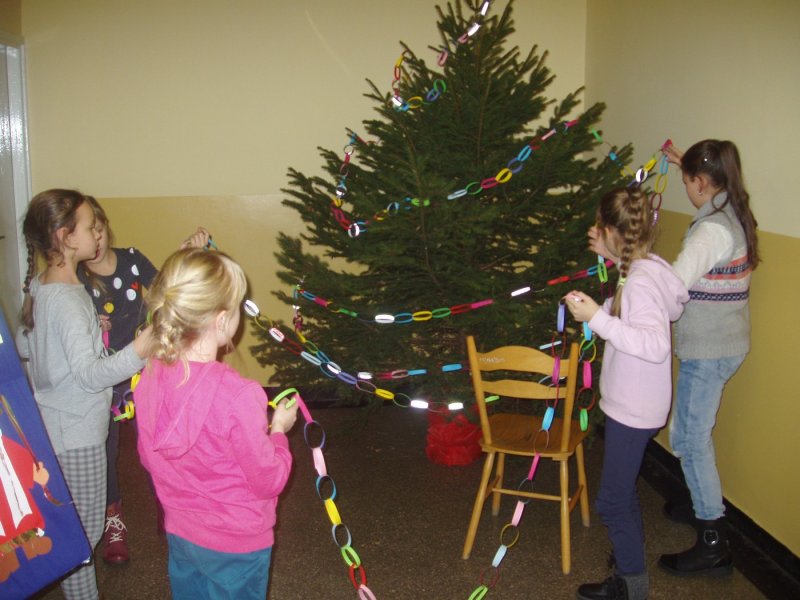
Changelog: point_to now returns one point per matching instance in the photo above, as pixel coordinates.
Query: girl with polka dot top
(116, 279)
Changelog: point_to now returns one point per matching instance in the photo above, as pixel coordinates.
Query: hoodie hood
(666, 282)
(180, 417)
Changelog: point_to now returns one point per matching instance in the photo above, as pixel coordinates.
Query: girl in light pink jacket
(636, 379)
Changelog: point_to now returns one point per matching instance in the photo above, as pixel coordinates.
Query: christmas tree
(461, 190)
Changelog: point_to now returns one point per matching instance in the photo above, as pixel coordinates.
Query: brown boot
(8, 564)
(115, 536)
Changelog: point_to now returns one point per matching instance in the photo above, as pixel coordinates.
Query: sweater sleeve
(21, 339)
(642, 333)
(264, 458)
(706, 245)
(91, 371)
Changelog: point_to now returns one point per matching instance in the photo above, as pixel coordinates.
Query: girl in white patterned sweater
(712, 338)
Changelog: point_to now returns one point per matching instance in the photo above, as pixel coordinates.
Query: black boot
(679, 511)
(711, 554)
(613, 588)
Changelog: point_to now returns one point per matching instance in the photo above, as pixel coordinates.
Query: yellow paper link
(385, 394)
(333, 512)
(515, 538)
(660, 184)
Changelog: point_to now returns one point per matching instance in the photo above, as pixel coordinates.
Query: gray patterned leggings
(85, 472)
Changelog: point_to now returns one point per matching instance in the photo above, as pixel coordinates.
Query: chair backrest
(517, 360)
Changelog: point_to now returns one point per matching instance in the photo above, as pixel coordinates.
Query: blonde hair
(192, 287)
(628, 212)
(48, 212)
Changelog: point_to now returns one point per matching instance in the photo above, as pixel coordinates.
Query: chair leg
(582, 483)
(565, 555)
(501, 462)
(480, 498)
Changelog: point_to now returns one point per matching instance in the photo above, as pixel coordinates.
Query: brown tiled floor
(408, 518)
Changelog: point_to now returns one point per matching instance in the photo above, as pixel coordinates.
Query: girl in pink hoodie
(216, 463)
(636, 379)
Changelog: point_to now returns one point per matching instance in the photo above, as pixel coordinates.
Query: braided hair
(48, 212)
(186, 295)
(627, 214)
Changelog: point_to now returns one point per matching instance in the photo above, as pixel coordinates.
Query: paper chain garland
(397, 100)
(402, 318)
(340, 532)
(362, 381)
(355, 228)
(641, 175)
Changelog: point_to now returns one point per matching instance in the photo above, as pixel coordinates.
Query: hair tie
(26, 289)
(621, 281)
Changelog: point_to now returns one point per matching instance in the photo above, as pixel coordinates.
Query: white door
(14, 176)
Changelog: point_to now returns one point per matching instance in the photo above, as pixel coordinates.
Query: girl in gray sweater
(70, 370)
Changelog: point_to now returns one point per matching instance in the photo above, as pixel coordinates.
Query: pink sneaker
(115, 536)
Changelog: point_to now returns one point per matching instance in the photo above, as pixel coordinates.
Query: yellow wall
(757, 422)
(718, 68)
(182, 113)
(11, 16)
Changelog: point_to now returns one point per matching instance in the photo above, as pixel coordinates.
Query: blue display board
(41, 536)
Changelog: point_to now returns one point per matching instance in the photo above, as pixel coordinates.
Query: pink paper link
(364, 593)
(518, 513)
(587, 374)
(303, 409)
(481, 303)
(319, 462)
(534, 464)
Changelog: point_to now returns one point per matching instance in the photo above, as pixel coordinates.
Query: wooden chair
(515, 433)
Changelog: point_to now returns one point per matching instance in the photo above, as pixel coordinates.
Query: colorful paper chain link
(397, 100)
(355, 228)
(340, 532)
(641, 174)
(309, 351)
(432, 95)
(418, 316)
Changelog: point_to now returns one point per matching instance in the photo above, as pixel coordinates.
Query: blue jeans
(197, 573)
(699, 392)
(618, 500)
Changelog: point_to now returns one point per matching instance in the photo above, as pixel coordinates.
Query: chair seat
(516, 434)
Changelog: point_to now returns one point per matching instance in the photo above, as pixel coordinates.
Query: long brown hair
(628, 213)
(719, 161)
(48, 212)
